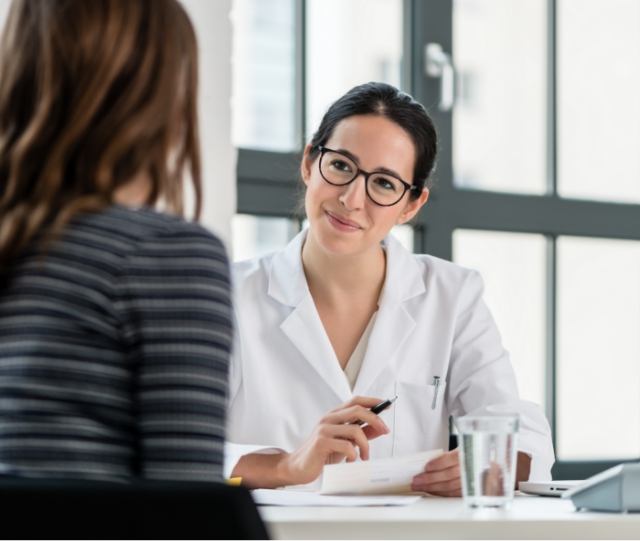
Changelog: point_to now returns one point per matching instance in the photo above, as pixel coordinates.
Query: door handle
(438, 64)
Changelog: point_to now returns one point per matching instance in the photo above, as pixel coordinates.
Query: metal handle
(438, 65)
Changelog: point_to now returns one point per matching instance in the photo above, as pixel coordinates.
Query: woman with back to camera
(345, 317)
(115, 320)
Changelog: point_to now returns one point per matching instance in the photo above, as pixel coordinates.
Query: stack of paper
(301, 498)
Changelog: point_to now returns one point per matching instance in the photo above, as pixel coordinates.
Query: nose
(354, 194)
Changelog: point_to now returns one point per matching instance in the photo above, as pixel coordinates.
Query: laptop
(547, 488)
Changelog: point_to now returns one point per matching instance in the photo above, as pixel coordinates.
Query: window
(537, 184)
(515, 291)
(499, 121)
(598, 348)
(264, 83)
(289, 66)
(337, 26)
(599, 107)
(255, 236)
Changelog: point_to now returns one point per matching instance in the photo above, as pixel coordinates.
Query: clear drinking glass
(487, 459)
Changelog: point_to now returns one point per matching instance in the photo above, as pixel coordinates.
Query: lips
(342, 222)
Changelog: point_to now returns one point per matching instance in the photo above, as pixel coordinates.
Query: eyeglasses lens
(339, 170)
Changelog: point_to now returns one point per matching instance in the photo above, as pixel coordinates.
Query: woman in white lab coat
(344, 317)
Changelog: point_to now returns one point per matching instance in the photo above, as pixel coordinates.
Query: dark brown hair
(382, 99)
(93, 93)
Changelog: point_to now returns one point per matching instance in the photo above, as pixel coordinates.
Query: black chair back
(47, 509)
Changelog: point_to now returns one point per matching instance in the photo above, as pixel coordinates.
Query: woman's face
(343, 219)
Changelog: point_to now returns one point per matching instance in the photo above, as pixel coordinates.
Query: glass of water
(487, 459)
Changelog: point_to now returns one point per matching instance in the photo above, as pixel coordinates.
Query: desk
(529, 517)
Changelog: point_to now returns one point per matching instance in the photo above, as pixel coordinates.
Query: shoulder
(278, 275)
(414, 273)
(436, 269)
(452, 284)
(135, 226)
(136, 229)
(442, 274)
(146, 242)
(251, 273)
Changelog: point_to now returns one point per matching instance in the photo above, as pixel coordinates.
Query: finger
(439, 476)
(448, 494)
(433, 488)
(344, 448)
(357, 415)
(365, 401)
(444, 461)
(374, 426)
(355, 435)
(448, 486)
(372, 432)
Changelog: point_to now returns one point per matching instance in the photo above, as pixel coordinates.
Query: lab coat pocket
(420, 423)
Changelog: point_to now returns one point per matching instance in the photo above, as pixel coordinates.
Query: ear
(413, 206)
(305, 165)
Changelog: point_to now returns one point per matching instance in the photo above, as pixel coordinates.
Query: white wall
(4, 7)
(213, 26)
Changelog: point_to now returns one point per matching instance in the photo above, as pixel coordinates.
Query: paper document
(379, 476)
(284, 497)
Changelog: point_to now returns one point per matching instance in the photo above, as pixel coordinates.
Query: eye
(385, 183)
(341, 165)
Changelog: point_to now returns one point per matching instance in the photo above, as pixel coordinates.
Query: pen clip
(436, 385)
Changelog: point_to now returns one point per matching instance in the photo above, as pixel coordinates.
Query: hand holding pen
(343, 433)
(379, 408)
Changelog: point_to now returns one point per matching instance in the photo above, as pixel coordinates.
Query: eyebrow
(384, 170)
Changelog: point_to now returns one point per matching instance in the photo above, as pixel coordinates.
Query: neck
(334, 277)
(134, 193)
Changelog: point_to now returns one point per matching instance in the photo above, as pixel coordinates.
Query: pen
(379, 408)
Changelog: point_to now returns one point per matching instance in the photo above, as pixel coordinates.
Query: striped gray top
(114, 351)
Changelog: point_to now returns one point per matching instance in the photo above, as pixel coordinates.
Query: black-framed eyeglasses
(384, 189)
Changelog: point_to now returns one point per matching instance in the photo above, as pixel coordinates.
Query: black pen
(379, 408)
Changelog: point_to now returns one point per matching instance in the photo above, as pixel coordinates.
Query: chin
(337, 243)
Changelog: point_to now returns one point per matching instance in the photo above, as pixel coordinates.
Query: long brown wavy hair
(93, 94)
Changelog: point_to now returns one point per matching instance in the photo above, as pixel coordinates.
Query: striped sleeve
(174, 297)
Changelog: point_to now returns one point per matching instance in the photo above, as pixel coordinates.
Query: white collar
(288, 284)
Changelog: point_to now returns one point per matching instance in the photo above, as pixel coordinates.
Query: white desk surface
(529, 517)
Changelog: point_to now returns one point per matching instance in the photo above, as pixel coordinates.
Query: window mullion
(551, 357)
(431, 21)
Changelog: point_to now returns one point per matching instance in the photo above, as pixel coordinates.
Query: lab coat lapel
(303, 327)
(394, 322)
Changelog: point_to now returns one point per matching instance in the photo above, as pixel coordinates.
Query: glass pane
(598, 368)
(499, 121)
(516, 291)
(254, 236)
(599, 99)
(263, 62)
(349, 42)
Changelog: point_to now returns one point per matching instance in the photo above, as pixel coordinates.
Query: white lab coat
(431, 321)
